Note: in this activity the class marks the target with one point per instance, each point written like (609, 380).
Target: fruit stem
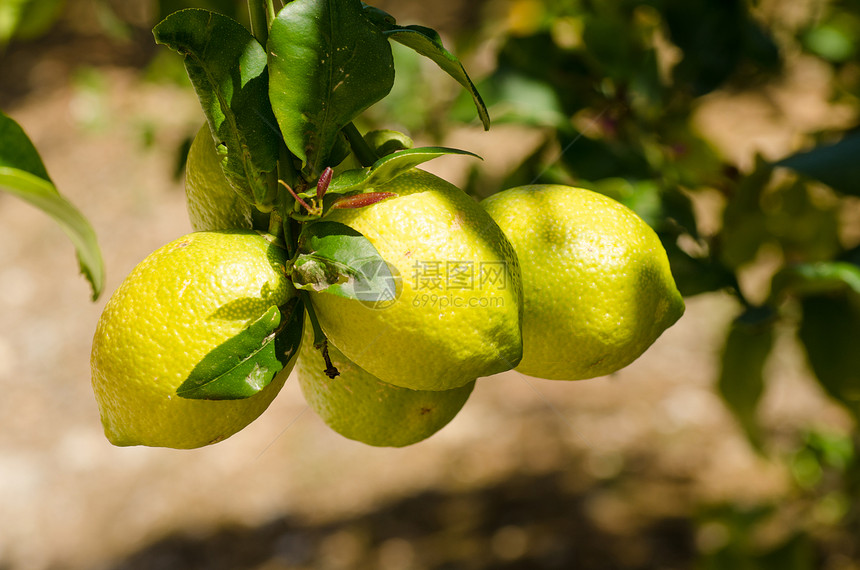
(363, 152)
(320, 340)
(286, 173)
(259, 13)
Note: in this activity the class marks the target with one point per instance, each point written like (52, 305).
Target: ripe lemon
(212, 203)
(361, 407)
(597, 286)
(177, 305)
(456, 315)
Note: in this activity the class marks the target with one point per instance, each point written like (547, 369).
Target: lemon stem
(320, 340)
(259, 14)
(363, 152)
(287, 175)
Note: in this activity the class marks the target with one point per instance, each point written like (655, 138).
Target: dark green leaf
(328, 63)
(695, 275)
(17, 150)
(744, 225)
(245, 364)
(593, 159)
(830, 333)
(236, 10)
(388, 168)
(378, 16)
(333, 258)
(23, 174)
(427, 42)
(716, 37)
(227, 67)
(837, 165)
(741, 380)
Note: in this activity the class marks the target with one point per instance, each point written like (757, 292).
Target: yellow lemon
(598, 290)
(456, 313)
(361, 407)
(178, 304)
(212, 203)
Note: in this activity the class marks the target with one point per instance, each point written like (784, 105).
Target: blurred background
(732, 443)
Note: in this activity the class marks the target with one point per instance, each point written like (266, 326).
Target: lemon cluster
(552, 281)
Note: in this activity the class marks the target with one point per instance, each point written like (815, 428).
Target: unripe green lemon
(212, 203)
(456, 316)
(178, 304)
(597, 287)
(361, 407)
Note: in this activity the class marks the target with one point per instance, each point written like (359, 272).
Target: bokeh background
(731, 443)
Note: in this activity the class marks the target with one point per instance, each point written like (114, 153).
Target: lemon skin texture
(211, 202)
(598, 290)
(456, 315)
(177, 305)
(359, 406)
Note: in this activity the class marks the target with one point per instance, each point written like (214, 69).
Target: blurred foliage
(24, 19)
(31, 19)
(814, 526)
(612, 87)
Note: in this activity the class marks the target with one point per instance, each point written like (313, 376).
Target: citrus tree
(314, 242)
(612, 89)
(392, 292)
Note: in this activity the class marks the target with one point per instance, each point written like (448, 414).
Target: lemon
(456, 315)
(212, 203)
(597, 288)
(361, 407)
(177, 305)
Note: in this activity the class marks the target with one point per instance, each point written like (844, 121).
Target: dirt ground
(608, 473)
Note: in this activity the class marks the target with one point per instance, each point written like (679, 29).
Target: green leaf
(385, 141)
(227, 68)
(704, 29)
(426, 41)
(817, 278)
(245, 364)
(593, 159)
(837, 165)
(327, 64)
(695, 275)
(741, 380)
(388, 168)
(830, 333)
(744, 222)
(23, 174)
(334, 258)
